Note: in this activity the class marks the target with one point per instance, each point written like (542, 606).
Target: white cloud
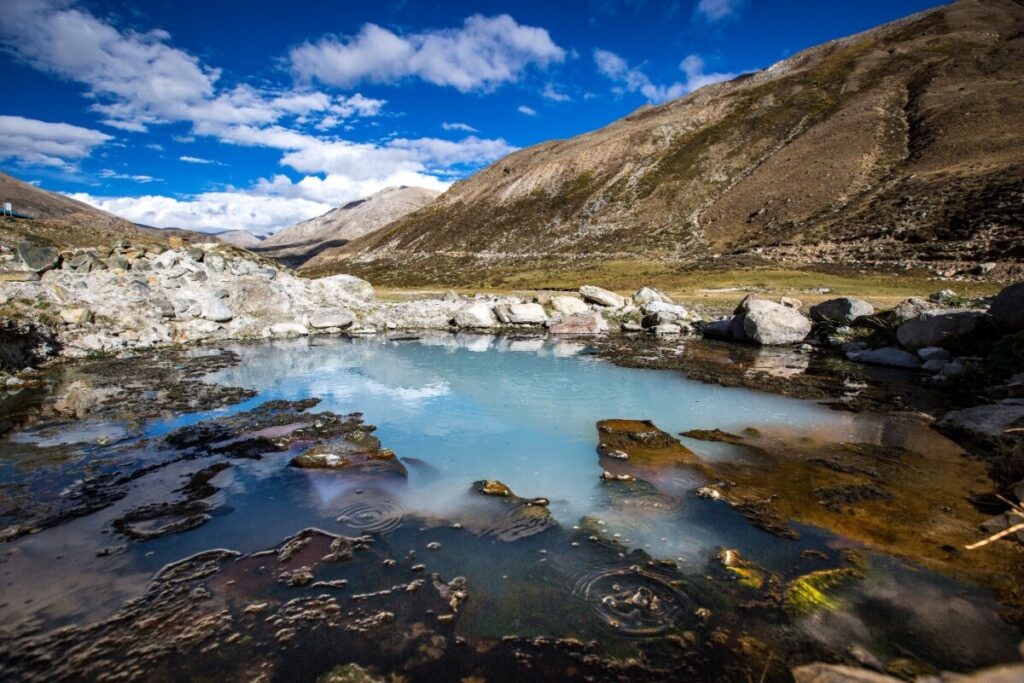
(480, 55)
(528, 111)
(550, 93)
(693, 67)
(210, 211)
(43, 143)
(455, 125)
(717, 10)
(155, 146)
(195, 160)
(109, 173)
(634, 80)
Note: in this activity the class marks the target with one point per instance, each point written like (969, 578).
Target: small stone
(76, 316)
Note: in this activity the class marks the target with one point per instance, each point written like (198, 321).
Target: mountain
(896, 147)
(239, 238)
(57, 219)
(312, 241)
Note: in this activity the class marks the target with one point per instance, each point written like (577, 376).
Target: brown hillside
(902, 145)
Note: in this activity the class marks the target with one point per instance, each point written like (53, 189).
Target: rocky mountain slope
(900, 146)
(59, 220)
(239, 238)
(311, 242)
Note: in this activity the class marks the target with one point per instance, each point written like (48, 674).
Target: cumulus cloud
(631, 79)
(43, 143)
(137, 79)
(528, 111)
(210, 211)
(717, 10)
(480, 55)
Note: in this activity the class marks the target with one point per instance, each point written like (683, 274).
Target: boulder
(475, 316)
(909, 309)
(938, 328)
(1008, 307)
(86, 262)
(648, 295)
(602, 297)
(521, 314)
(37, 257)
(717, 329)
(216, 311)
(340, 318)
(349, 285)
(768, 323)
(569, 305)
(987, 421)
(842, 310)
(76, 316)
(888, 356)
(667, 309)
(591, 323)
(929, 353)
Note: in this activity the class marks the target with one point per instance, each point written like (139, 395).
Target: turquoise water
(461, 408)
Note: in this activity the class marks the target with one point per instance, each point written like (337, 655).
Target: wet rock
(24, 344)
(836, 673)
(842, 310)
(718, 329)
(602, 297)
(492, 487)
(288, 330)
(838, 498)
(987, 421)
(159, 519)
(939, 328)
(375, 463)
(585, 324)
(888, 356)
(713, 435)
(813, 592)
(667, 330)
(38, 258)
(768, 323)
(475, 316)
(1008, 307)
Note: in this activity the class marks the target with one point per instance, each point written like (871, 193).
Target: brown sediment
(892, 499)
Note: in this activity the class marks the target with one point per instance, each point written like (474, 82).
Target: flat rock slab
(37, 257)
(988, 421)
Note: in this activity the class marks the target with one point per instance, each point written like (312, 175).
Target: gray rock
(667, 310)
(86, 262)
(842, 310)
(667, 330)
(288, 330)
(451, 297)
(591, 323)
(989, 421)
(475, 316)
(18, 276)
(909, 309)
(569, 305)
(1008, 307)
(37, 257)
(769, 323)
(217, 311)
(339, 317)
(522, 314)
(632, 326)
(647, 295)
(117, 263)
(196, 254)
(76, 316)
(718, 329)
(348, 285)
(933, 353)
(888, 356)
(938, 328)
(602, 297)
(934, 365)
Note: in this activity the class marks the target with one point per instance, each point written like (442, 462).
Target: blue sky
(258, 114)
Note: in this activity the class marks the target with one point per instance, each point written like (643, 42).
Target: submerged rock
(492, 487)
